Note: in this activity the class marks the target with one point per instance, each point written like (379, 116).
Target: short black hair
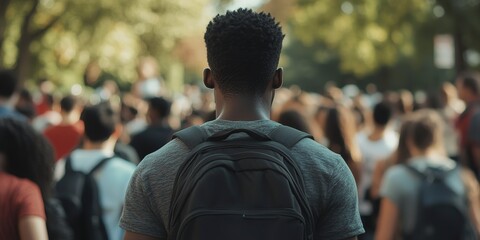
(8, 83)
(243, 50)
(160, 105)
(67, 104)
(100, 121)
(471, 80)
(382, 113)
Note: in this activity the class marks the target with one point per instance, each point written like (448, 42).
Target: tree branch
(28, 18)
(43, 30)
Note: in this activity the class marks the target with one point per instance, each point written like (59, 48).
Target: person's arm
(377, 176)
(32, 228)
(341, 217)
(473, 191)
(387, 221)
(137, 236)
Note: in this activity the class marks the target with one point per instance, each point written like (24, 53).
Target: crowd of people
(384, 139)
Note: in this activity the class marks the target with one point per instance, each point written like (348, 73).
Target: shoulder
(122, 165)
(168, 157)
(19, 185)
(316, 154)
(396, 172)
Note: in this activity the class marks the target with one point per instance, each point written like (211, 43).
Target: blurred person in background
(437, 102)
(8, 96)
(149, 83)
(421, 153)
(25, 104)
(158, 132)
(26, 175)
(67, 135)
(340, 130)
(102, 129)
(375, 145)
(468, 123)
(294, 119)
(48, 116)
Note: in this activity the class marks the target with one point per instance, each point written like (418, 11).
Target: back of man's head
(471, 81)
(160, 106)
(100, 122)
(68, 103)
(8, 83)
(382, 113)
(243, 50)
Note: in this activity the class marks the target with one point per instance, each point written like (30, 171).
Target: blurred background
(408, 44)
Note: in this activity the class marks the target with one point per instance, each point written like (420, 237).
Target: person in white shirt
(102, 129)
(375, 145)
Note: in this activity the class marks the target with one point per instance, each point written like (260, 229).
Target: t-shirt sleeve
(341, 219)
(474, 128)
(29, 200)
(391, 186)
(138, 216)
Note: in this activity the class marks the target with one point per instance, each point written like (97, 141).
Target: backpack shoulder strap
(100, 164)
(435, 175)
(191, 136)
(288, 136)
(68, 164)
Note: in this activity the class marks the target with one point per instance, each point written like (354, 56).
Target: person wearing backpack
(426, 195)
(92, 180)
(242, 176)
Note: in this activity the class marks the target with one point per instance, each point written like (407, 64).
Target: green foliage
(112, 32)
(366, 34)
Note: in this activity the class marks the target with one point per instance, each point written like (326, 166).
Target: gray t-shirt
(329, 185)
(400, 185)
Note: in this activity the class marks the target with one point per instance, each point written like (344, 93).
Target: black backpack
(239, 188)
(442, 214)
(79, 196)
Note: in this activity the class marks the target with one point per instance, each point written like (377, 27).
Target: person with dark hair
(421, 167)
(102, 129)
(26, 176)
(293, 118)
(8, 88)
(158, 132)
(25, 105)
(340, 130)
(67, 135)
(243, 51)
(375, 145)
(468, 123)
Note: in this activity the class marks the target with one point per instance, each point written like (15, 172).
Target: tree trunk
(24, 58)
(3, 26)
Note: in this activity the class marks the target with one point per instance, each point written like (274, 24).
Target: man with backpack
(93, 181)
(242, 176)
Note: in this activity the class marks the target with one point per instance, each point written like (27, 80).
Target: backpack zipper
(246, 214)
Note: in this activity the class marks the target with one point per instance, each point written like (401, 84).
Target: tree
(58, 38)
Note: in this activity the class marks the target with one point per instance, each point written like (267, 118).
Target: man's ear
(208, 78)
(277, 78)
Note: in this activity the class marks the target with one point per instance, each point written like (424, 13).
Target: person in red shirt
(21, 209)
(26, 175)
(67, 135)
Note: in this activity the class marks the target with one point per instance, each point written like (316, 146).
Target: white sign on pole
(444, 51)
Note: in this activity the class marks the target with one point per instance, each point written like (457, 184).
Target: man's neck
(69, 118)
(108, 145)
(377, 133)
(244, 109)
